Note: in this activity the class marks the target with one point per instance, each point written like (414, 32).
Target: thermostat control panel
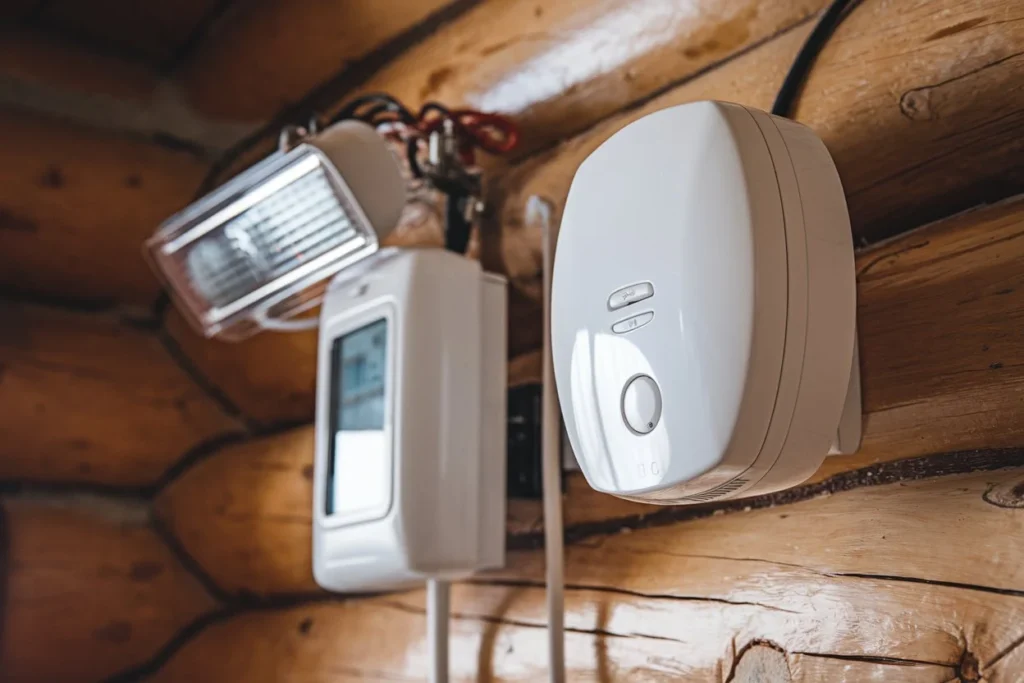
(410, 465)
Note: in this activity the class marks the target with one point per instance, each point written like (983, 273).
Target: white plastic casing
(441, 510)
(263, 245)
(735, 224)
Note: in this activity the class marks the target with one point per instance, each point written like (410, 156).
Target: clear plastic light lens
(254, 245)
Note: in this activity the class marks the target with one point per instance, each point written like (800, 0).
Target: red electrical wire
(492, 133)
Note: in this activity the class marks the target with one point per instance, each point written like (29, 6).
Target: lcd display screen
(359, 459)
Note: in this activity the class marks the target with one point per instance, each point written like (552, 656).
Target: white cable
(551, 472)
(438, 607)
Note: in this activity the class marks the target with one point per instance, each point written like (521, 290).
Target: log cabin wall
(155, 486)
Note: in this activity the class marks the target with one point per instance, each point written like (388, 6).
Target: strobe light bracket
(441, 152)
(260, 249)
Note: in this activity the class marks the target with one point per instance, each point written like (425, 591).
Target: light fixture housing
(261, 248)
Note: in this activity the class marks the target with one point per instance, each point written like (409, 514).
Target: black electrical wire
(457, 228)
(434, 106)
(371, 114)
(412, 149)
(794, 81)
(389, 103)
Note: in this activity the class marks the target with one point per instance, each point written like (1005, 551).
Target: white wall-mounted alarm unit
(410, 422)
(703, 307)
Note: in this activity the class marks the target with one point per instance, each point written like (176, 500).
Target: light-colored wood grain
(76, 206)
(246, 514)
(901, 166)
(268, 55)
(929, 387)
(144, 31)
(559, 67)
(824, 668)
(91, 590)
(940, 359)
(270, 377)
(900, 582)
(85, 397)
(890, 532)
(1009, 666)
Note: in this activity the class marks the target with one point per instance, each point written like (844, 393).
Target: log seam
(186, 559)
(569, 586)
(205, 385)
(240, 607)
(170, 648)
(144, 492)
(199, 32)
(515, 583)
(502, 621)
(211, 447)
(184, 636)
(877, 659)
(909, 469)
(97, 306)
(193, 456)
(1010, 592)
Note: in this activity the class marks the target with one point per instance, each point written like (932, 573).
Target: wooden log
(940, 359)
(45, 73)
(245, 515)
(916, 102)
(305, 642)
(77, 204)
(31, 56)
(878, 139)
(933, 321)
(91, 590)
(248, 68)
(559, 67)
(86, 397)
(870, 584)
(270, 377)
(151, 32)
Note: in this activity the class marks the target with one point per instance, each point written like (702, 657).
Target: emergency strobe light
(250, 254)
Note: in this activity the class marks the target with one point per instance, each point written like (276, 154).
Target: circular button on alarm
(641, 404)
